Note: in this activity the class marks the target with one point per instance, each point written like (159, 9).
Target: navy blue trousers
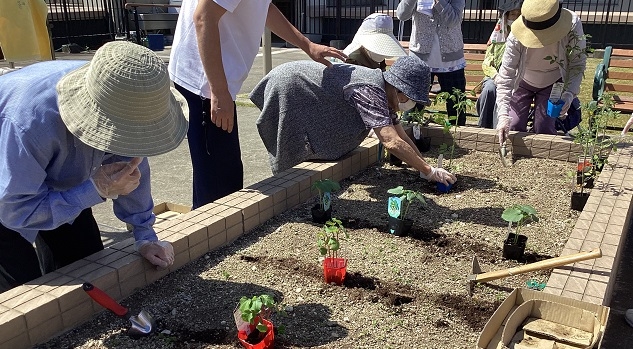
(448, 81)
(215, 153)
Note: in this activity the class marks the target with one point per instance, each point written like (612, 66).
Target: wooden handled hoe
(477, 276)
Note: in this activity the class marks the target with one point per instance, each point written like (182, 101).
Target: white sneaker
(628, 316)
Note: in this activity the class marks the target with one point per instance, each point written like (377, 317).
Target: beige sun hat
(376, 35)
(542, 23)
(121, 102)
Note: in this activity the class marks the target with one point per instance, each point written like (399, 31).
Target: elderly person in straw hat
(74, 134)
(527, 74)
(310, 112)
(374, 42)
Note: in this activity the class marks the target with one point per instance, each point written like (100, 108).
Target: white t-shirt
(241, 29)
(539, 72)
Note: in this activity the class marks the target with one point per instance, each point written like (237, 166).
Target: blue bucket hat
(411, 76)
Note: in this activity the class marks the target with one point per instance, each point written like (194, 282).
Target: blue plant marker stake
(327, 200)
(535, 285)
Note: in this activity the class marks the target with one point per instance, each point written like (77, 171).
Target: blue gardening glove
(439, 175)
(159, 253)
(568, 97)
(503, 128)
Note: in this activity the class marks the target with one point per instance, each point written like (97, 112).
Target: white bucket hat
(121, 102)
(376, 35)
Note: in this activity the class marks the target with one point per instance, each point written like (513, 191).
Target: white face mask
(408, 105)
(375, 56)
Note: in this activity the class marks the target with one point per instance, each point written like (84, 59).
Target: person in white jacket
(534, 61)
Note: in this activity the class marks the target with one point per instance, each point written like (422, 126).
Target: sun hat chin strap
(544, 24)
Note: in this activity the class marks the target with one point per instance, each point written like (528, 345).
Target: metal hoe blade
(503, 152)
(142, 324)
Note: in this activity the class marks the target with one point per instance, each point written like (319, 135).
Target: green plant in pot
(329, 243)
(514, 245)
(398, 207)
(255, 329)
(322, 211)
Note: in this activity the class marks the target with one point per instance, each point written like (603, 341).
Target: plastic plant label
(393, 206)
(239, 323)
(557, 91)
(327, 200)
(416, 131)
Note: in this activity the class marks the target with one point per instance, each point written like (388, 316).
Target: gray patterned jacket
(304, 112)
(446, 21)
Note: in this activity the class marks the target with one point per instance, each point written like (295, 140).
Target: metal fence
(93, 22)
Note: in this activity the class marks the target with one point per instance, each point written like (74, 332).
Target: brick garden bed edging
(37, 311)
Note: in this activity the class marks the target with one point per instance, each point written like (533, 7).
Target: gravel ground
(400, 292)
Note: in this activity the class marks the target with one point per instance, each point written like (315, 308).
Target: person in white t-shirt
(214, 47)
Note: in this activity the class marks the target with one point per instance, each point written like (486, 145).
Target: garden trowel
(477, 276)
(505, 155)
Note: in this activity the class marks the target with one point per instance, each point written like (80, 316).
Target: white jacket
(513, 66)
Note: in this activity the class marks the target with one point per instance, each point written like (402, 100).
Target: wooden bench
(622, 87)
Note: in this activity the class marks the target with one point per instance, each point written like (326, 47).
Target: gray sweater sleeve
(451, 12)
(405, 9)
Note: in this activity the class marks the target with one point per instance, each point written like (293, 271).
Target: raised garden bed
(399, 291)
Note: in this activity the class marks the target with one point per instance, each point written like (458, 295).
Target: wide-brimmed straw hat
(376, 35)
(121, 102)
(411, 76)
(542, 23)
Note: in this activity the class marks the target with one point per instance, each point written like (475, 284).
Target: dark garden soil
(399, 292)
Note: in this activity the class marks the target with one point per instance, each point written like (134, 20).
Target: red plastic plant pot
(334, 270)
(267, 342)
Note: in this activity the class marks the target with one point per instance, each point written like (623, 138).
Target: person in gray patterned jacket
(310, 112)
(437, 39)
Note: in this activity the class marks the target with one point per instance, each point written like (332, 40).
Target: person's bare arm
(395, 139)
(206, 18)
(279, 24)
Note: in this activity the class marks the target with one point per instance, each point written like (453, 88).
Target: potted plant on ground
(514, 245)
(398, 208)
(328, 240)
(322, 211)
(585, 171)
(462, 106)
(252, 318)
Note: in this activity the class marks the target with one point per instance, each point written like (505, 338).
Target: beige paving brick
(305, 195)
(521, 139)
(609, 250)
(292, 187)
(574, 244)
(103, 277)
(20, 341)
(607, 202)
(178, 241)
(231, 215)
(578, 233)
(131, 284)
(582, 223)
(97, 256)
(279, 195)
(293, 201)
(563, 270)
(198, 250)
(251, 223)
(594, 236)
(182, 226)
(195, 216)
(234, 232)
(166, 224)
(466, 135)
(601, 218)
(557, 280)
(279, 208)
(589, 246)
(12, 323)
(468, 144)
(605, 262)
(553, 290)
(88, 268)
(611, 239)
(598, 226)
(347, 167)
(77, 315)
(128, 266)
(44, 331)
(73, 266)
(557, 154)
(18, 295)
(39, 309)
(593, 300)
(69, 295)
(266, 214)
(570, 294)
(153, 273)
(180, 260)
(217, 240)
(196, 233)
(605, 210)
(521, 151)
(540, 152)
(600, 276)
(595, 289)
(48, 282)
(617, 220)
